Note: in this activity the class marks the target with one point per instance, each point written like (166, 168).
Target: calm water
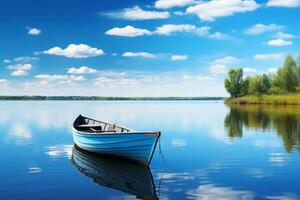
(207, 151)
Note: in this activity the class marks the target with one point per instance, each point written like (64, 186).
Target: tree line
(102, 98)
(285, 80)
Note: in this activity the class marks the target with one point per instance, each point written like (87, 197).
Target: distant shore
(280, 99)
(102, 98)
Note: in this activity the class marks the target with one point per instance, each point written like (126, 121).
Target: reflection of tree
(285, 120)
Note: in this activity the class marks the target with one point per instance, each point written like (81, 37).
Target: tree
(287, 77)
(298, 67)
(235, 84)
(258, 84)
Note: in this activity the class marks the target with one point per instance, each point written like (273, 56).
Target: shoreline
(280, 99)
(104, 98)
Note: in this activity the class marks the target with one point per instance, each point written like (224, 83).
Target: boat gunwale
(105, 122)
(150, 133)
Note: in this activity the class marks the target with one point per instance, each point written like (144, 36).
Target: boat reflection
(116, 173)
(284, 120)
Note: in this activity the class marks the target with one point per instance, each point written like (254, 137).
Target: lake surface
(207, 151)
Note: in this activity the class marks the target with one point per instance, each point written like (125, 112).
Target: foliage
(235, 83)
(285, 81)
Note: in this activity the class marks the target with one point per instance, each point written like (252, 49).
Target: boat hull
(138, 146)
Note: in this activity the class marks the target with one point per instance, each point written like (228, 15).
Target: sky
(141, 48)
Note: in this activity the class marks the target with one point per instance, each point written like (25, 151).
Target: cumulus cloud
(218, 35)
(127, 31)
(285, 3)
(75, 51)
(220, 66)
(25, 59)
(138, 54)
(136, 13)
(164, 4)
(19, 72)
(121, 82)
(197, 78)
(6, 61)
(20, 66)
(211, 10)
(262, 28)
(20, 69)
(56, 77)
(3, 81)
(281, 35)
(166, 30)
(179, 57)
(272, 70)
(270, 56)
(279, 43)
(227, 60)
(218, 69)
(34, 31)
(82, 70)
(249, 70)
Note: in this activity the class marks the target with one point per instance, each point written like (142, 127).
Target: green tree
(235, 84)
(258, 84)
(287, 78)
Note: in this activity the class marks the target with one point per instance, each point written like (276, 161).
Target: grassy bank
(282, 99)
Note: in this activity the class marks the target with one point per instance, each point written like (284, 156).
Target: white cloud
(3, 81)
(138, 54)
(127, 31)
(218, 35)
(227, 60)
(279, 43)
(281, 35)
(210, 10)
(25, 59)
(249, 70)
(105, 82)
(6, 61)
(168, 29)
(34, 31)
(20, 69)
(197, 78)
(179, 57)
(19, 72)
(218, 69)
(284, 3)
(270, 56)
(56, 77)
(82, 70)
(20, 66)
(136, 13)
(75, 51)
(220, 66)
(272, 70)
(262, 28)
(164, 4)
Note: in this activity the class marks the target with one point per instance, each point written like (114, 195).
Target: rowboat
(116, 173)
(107, 138)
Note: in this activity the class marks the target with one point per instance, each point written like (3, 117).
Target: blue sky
(140, 48)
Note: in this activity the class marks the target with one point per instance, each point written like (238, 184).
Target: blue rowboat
(116, 173)
(106, 138)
